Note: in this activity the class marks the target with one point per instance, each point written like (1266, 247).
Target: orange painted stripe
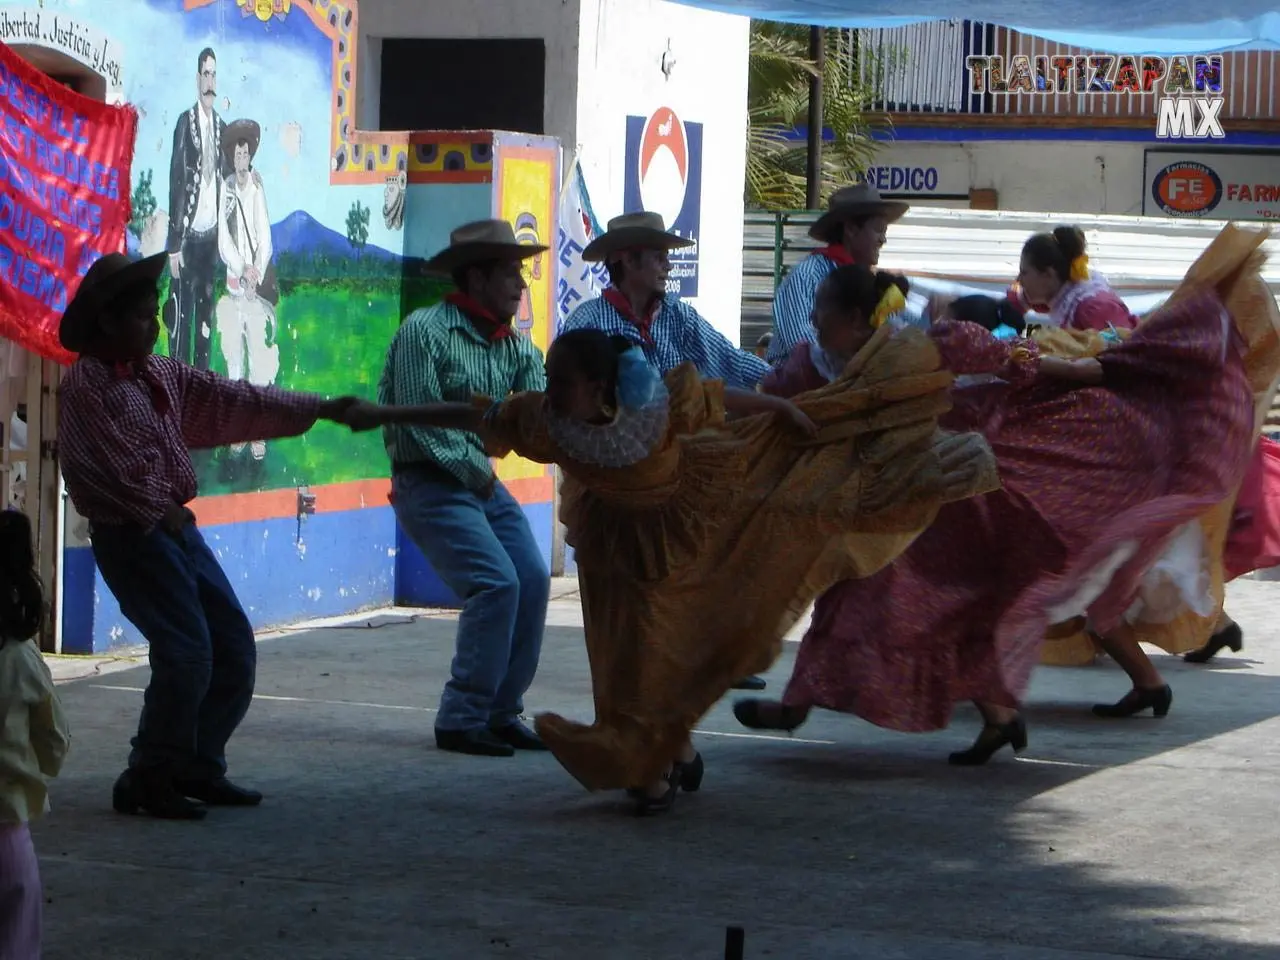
(331, 498)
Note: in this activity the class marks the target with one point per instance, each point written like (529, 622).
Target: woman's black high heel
(750, 715)
(1135, 701)
(691, 774)
(646, 804)
(1231, 637)
(993, 737)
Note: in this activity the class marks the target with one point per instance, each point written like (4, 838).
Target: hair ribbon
(892, 302)
(638, 382)
(1079, 268)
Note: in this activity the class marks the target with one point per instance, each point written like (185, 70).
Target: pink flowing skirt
(1087, 472)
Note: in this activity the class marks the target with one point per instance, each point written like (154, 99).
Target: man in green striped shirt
(448, 499)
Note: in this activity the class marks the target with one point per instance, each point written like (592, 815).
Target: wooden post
(818, 54)
(734, 941)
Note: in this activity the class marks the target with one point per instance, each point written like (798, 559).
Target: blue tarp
(1139, 27)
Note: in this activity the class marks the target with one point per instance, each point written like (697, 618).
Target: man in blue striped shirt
(635, 248)
(854, 228)
(447, 498)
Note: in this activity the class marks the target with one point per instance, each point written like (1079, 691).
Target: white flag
(579, 280)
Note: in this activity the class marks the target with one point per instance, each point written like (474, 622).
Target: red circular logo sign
(1186, 189)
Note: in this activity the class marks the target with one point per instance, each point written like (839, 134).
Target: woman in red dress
(1099, 471)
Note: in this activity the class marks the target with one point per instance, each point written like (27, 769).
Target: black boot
(1158, 700)
(993, 737)
(151, 790)
(1231, 636)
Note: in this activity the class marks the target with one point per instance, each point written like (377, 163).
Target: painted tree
(358, 227)
(778, 103)
(143, 202)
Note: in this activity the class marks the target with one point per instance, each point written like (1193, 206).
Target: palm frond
(778, 102)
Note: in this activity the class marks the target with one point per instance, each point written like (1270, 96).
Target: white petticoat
(1177, 581)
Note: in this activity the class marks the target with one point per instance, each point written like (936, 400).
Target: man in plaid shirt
(126, 420)
(467, 524)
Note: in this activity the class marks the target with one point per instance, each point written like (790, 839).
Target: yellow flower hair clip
(1080, 268)
(892, 302)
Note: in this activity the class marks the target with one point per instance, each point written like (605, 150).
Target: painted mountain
(303, 236)
(306, 251)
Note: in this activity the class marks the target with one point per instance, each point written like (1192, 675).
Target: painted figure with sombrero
(246, 314)
(447, 497)
(635, 249)
(126, 422)
(853, 229)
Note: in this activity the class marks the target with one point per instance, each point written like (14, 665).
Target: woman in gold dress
(701, 538)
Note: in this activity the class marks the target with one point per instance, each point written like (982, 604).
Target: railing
(772, 243)
(922, 69)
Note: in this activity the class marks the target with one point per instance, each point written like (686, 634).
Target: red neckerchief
(614, 297)
(141, 370)
(486, 324)
(837, 254)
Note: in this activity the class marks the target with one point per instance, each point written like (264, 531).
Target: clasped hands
(359, 415)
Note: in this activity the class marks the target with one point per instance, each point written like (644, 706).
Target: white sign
(1235, 185)
(1187, 118)
(86, 44)
(920, 172)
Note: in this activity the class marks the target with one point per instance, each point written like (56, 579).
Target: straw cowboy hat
(105, 280)
(479, 242)
(236, 131)
(859, 200)
(633, 231)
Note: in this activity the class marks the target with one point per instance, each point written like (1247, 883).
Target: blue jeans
(202, 653)
(485, 553)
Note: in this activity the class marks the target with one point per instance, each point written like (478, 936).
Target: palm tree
(778, 101)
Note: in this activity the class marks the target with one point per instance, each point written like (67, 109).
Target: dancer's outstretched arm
(746, 403)
(443, 416)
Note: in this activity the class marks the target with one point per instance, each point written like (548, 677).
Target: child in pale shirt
(33, 739)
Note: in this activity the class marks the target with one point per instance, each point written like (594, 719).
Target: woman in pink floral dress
(1099, 471)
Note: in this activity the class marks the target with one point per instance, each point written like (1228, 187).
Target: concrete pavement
(1141, 838)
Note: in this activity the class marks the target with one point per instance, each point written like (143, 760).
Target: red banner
(64, 197)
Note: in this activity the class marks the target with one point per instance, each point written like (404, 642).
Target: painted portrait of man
(196, 169)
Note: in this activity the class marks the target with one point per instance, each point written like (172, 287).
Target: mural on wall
(663, 173)
(261, 193)
(527, 172)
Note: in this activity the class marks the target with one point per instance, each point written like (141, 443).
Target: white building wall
(621, 48)
(1061, 176)
(605, 62)
(554, 21)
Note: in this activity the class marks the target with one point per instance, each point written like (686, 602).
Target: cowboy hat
(106, 279)
(478, 242)
(237, 130)
(631, 231)
(859, 200)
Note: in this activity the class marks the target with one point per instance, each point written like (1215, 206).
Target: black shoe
(477, 743)
(519, 737)
(646, 804)
(751, 683)
(219, 792)
(992, 738)
(1232, 637)
(1135, 701)
(691, 774)
(750, 715)
(153, 792)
